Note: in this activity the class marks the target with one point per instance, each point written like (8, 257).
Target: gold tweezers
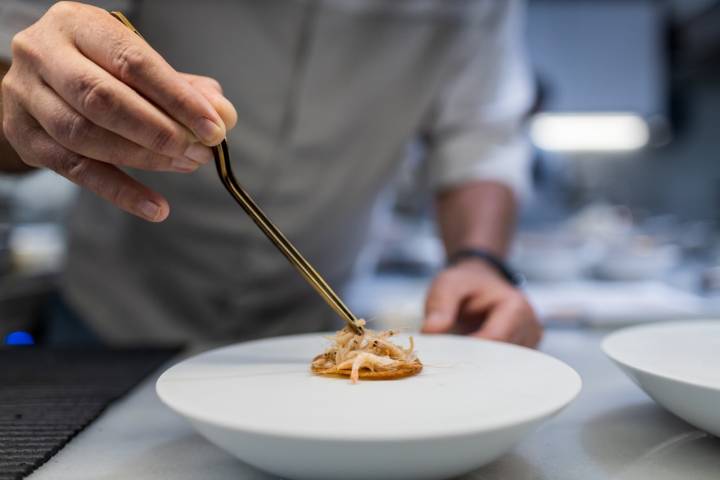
(222, 162)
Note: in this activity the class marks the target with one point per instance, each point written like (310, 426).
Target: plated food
(371, 355)
(472, 402)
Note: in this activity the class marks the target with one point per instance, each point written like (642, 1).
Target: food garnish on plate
(369, 356)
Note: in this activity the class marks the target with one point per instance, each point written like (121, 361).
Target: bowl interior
(683, 351)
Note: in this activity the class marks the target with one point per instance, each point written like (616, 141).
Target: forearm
(10, 161)
(477, 215)
(471, 296)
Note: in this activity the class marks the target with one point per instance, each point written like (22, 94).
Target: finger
(208, 83)
(37, 148)
(442, 303)
(533, 334)
(532, 330)
(110, 104)
(505, 322)
(78, 134)
(212, 91)
(129, 58)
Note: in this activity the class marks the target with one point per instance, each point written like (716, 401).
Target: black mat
(48, 396)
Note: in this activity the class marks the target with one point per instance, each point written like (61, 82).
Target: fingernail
(149, 209)
(208, 131)
(199, 152)
(184, 164)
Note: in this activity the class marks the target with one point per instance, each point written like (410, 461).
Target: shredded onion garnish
(370, 355)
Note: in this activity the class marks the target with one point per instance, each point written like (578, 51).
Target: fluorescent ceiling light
(589, 132)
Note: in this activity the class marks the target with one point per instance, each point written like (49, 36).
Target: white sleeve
(475, 129)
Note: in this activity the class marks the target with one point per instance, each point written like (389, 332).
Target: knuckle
(70, 129)
(70, 165)
(213, 83)
(94, 95)
(75, 168)
(23, 47)
(166, 141)
(10, 129)
(13, 91)
(18, 43)
(128, 60)
(7, 86)
(62, 8)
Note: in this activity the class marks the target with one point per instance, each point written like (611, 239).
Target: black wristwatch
(491, 259)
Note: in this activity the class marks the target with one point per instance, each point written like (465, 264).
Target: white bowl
(473, 401)
(677, 364)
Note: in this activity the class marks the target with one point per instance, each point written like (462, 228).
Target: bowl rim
(694, 382)
(344, 437)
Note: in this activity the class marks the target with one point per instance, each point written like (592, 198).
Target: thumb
(442, 304)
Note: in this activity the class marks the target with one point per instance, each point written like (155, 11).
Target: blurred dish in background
(603, 241)
(601, 304)
(553, 257)
(676, 364)
(601, 222)
(638, 258)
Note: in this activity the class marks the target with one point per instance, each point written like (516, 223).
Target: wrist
(487, 261)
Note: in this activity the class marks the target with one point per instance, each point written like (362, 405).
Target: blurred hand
(471, 298)
(85, 96)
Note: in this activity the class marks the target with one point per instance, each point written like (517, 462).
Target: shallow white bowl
(677, 364)
(473, 401)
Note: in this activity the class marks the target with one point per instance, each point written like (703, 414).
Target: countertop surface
(611, 431)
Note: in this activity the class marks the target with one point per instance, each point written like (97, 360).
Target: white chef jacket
(328, 94)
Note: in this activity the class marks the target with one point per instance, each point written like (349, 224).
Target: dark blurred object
(5, 262)
(710, 280)
(22, 300)
(49, 396)
(697, 43)
(31, 257)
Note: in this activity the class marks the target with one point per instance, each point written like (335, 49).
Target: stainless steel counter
(611, 431)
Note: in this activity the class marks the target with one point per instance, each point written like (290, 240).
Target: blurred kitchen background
(623, 225)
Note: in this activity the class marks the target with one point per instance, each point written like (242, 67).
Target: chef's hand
(471, 298)
(85, 97)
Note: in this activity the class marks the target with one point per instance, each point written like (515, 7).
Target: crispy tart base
(404, 370)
